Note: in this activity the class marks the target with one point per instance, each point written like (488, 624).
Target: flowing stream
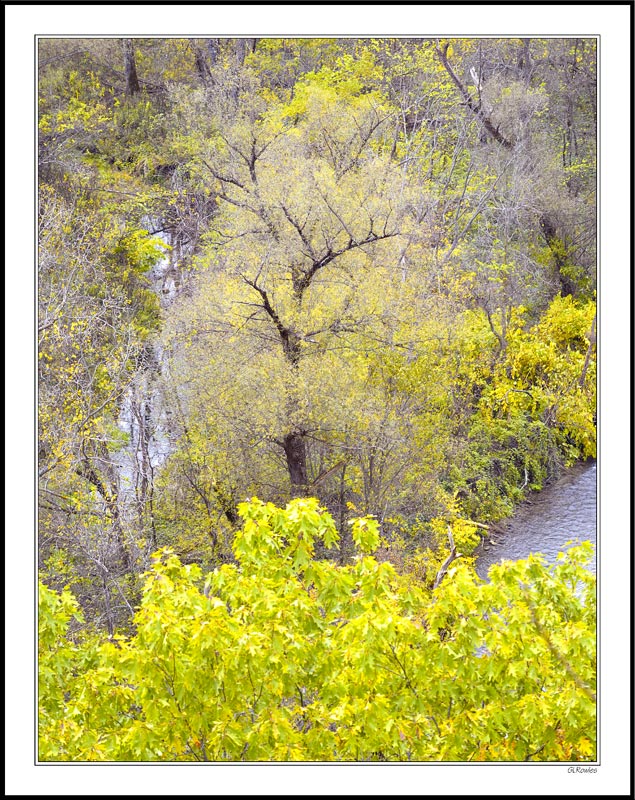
(547, 521)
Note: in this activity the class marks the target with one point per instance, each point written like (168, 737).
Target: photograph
(317, 399)
(319, 409)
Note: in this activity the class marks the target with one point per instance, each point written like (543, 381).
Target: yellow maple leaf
(585, 747)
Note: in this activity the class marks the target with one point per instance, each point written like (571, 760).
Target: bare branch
(302, 282)
(222, 178)
(452, 557)
(300, 231)
(474, 107)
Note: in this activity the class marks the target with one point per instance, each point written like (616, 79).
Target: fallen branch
(476, 524)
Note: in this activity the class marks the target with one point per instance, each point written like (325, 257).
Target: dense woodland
(314, 316)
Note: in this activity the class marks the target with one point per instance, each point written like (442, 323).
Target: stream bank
(565, 510)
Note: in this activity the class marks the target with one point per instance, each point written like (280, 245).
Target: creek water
(563, 511)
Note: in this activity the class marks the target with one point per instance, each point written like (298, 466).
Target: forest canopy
(299, 293)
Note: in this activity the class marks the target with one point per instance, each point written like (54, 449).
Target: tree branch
(475, 108)
(300, 231)
(302, 282)
(222, 178)
(452, 557)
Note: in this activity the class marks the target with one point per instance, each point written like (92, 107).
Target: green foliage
(532, 410)
(132, 257)
(365, 534)
(282, 657)
(378, 291)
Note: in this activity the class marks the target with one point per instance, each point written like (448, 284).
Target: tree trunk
(109, 618)
(111, 499)
(213, 48)
(295, 451)
(470, 102)
(130, 67)
(524, 61)
(241, 51)
(202, 66)
(559, 253)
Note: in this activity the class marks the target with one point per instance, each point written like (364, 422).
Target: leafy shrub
(284, 657)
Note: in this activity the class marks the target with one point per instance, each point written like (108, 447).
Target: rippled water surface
(565, 510)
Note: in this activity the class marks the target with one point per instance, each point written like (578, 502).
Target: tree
(281, 249)
(549, 183)
(96, 311)
(306, 267)
(284, 657)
